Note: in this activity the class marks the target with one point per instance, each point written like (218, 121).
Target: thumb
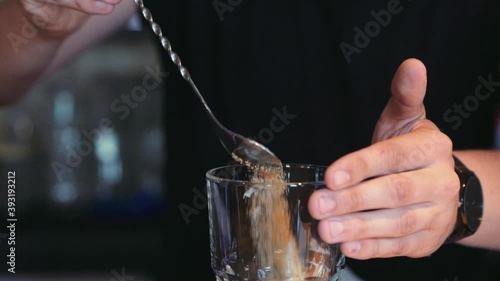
(406, 104)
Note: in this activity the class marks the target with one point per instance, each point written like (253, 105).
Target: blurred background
(86, 145)
(87, 148)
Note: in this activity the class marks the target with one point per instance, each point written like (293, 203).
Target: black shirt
(324, 69)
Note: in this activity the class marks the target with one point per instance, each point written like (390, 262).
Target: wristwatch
(470, 210)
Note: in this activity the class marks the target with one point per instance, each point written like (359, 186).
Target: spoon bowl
(255, 155)
(244, 150)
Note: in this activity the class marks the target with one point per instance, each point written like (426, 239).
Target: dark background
(108, 215)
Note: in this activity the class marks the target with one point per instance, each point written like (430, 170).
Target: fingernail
(353, 247)
(341, 177)
(102, 6)
(336, 228)
(326, 204)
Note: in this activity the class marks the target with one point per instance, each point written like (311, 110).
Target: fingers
(90, 7)
(406, 103)
(425, 145)
(397, 197)
(408, 246)
(385, 223)
(388, 232)
(391, 191)
(95, 7)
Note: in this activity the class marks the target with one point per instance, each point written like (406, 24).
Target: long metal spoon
(242, 149)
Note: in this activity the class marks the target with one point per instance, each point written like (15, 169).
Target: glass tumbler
(265, 232)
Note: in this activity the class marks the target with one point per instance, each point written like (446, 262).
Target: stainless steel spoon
(242, 149)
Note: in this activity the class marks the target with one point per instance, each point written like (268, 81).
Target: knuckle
(356, 228)
(399, 246)
(407, 222)
(399, 188)
(395, 156)
(354, 163)
(354, 199)
(374, 251)
(451, 184)
(361, 163)
(445, 143)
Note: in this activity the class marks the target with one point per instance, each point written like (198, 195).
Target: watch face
(473, 203)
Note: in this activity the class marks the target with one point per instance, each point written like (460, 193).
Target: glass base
(223, 276)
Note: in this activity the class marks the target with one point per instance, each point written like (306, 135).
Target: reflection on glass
(253, 238)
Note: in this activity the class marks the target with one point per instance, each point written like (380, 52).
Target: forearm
(486, 165)
(24, 53)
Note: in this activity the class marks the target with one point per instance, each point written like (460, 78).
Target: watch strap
(461, 229)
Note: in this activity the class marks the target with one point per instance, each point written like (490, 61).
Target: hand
(60, 18)
(399, 196)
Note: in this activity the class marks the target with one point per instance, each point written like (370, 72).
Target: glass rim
(210, 173)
